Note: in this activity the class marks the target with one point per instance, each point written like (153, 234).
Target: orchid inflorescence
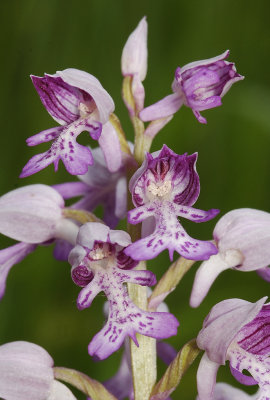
(163, 186)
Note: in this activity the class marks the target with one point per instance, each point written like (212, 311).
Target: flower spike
(97, 265)
(78, 102)
(199, 85)
(165, 187)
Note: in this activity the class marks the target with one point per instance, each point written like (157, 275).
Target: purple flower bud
(199, 85)
(99, 251)
(238, 331)
(165, 187)
(78, 102)
(26, 372)
(242, 238)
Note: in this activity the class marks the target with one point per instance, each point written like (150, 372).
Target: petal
(89, 292)
(71, 189)
(139, 214)
(59, 98)
(155, 126)
(163, 108)
(209, 271)
(110, 146)
(120, 385)
(89, 84)
(91, 232)
(205, 62)
(257, 366)
(76, 255)
(121, 197)
(62, 249)
(37, 163)
(247, 230)
(199, 117)
(9, 257)
(44, 136)
(223, 391)
(143, 278)
(25, 371)
(134, 56)
(36, 209)
(206, 378)
(223, 324)
(196, 215)
(264, 273)
(244, 379)
(59, 391)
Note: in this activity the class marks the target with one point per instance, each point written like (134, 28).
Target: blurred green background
(233, 164)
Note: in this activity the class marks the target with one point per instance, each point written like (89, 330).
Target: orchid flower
(242, 238)
(99, 186)
(134, 64)
(32, 215)
(165, 187)
(26, 372)
(78, 102)
(99, 264)
(238, 331)
(199, 85)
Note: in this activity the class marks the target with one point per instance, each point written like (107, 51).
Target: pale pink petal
(110, 146)
(163, 108)
(59, 391)
(209, 271)
(206, 378)
(25, 371)
(31, 213)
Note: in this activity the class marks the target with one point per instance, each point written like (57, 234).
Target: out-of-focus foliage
(233, 164)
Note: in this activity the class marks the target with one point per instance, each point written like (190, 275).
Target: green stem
(143, 358)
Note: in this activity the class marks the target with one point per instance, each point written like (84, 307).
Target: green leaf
(175, 371)
(89, 386)
(169, 281)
